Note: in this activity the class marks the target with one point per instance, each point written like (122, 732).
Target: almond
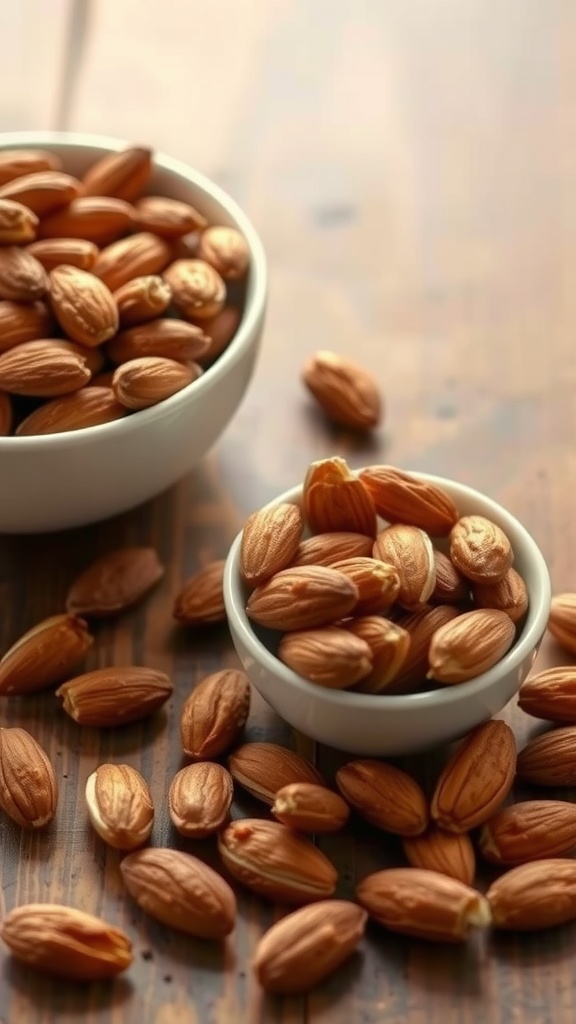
(534, 896)
(508, 595)
(114, 696)
(423, 904)
(477, 778)
(42, 191)
(198, 291)
(42, 370)
(529, 830)
(480, 549)
(448, 853)
(450, 586)
(550, 759)
(20, 323)
(123, 174)
(403, 498)
(142, 253)
(302, 598)
(421, 627)
(330, 657)
(275, 862)
(17, 223)
(214, 714)
(168, 338)
(66, 942)
(143, 382)
(270, 541)
(28, 792)
(333, 499)
(120, 806)
(180, 891)
(141, 300)
(199, 799)
(562, 621)
(46, 654)
(75, 252)
(469, 645)
(226, 250)
(550, 694)
(93, 357)
(410, 551)
(221, 330)
(98, 219)
(114, 582)
(16, 162)
(307, 807)
(389, 645)
(385, 796)
(88, 407)
(346, 392)
(83, 305)
(378, 583)
(6, 414)
(264, 768)
(201, 599)
(22, 278)
(328, 548)
(168, 218)
(306, 946)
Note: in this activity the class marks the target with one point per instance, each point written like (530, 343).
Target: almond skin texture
(199, 799)
(42, 191)
(423, 904)
(410, 551)
(562, 621)
(330, 657)
(470, 645)
(16, 162)
(123, 175)
(168, 338)
(22, 278)
(42, 370)
(214, 714)
(114, 582)
(302, 598)
(87, 407)
(402, 498)
(307, 946)
(346, 392)
(508, 595)
(385, 796)
(550, 759)
(550, 695)
(120, 806)
(66, 942)
(180, 891)
(480, 549)
(276, 863)
(445, 852)
(17, 223)
(114, 696)
(327, 548)
(75, 252)
(270, 541)
(98, 219)
(529, 830)
(143, 382)
(534, 896)
(28, 791)
(226, 250)
(264, 768)
(450, 586)
(20, 323)
(333, 499)
(198, 291)
(141, 300)
(389, 645)
(378, 583)
(477, 778)
(83, 306)
(44, 655)
(168, 218)
(306, 807)
(421, 627)
(201, 599)
(142, 253)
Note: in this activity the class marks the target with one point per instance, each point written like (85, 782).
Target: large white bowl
(63, 480)
(375, 725)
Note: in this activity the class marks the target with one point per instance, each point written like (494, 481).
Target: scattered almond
(449, 853)
(550, 759)
(214, 714)
(346, 392)
(114, 696)
(44, 655)
(264, 768)
(562, 620)
(534, 896)
(308, 807)
(199, 799)
(550, 694)
(114, 582)
(476, 779)
(28, 791)
(385, 796)
(529, 830)
(120, 806)
(201, 599)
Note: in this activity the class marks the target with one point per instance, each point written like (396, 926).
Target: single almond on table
(378, 583)
(421, 627)
(66, 942)
(120, 806)
(214, 714)
(198, 291)
(306, 946)
(16, 162)
(44, 655)
(480, 549)
(180, 891)
(166, 217)
(75, 252)
(42, 370)
(450, 586)
(28, 791)
(83, 305)
(42, 191)
(469, 645)
(142, 253)
(20, 323)
(221, 330)
(270, 540)
(449, 853)
(346, 392)
(115, 581)
(403, 498)
(264, 768)
(141, 383)
(385, 796)
(308, 807)
(508, 595)
(562, 620)
(275, 862)
(327, 548)
(389, 645)
(409, 549)
(17, 223)
(123, 174)
(114, 696)
(165, 337)
(142, 299)
(302, 598)
(550, 694)
(333, 499)
(423, 904)
(226, 250)
(200, 602)
(22, 278)
(199, 799)
(529, 830)
(88, 407)
(330, 656)
(476, 779)
(550, 759)
(98, 219)
(6, 414)
(534, 896)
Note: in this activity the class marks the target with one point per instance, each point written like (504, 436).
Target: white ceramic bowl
(393, 725)
(63, 480)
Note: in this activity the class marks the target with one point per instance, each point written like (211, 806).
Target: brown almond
(201, 600)
(75, 252)
(270, 540)
(17, 223)
(421, 627)
(168, 338)
(330, 656)
(28, 791)
(449, 853)
(198, 291)
(409, 549)
(534, 896)
(307, 807)
(226, 250)
(142, 299)
(93, 357)
(214, 714)
(403, 498)
(221, 330)
(115, 581)
(264, 768)
(480, 550)
(385, 796)
(108, 697)
(42, 371)
(327, 548)
(141, 383)
(508, 595)
(16, 162)
(562, 620)
(302, 598)
(477, 778)
(389, 645)
(142, 253)
(199, 799)
(550, 694)
(44, 655)
(22, 278)
(88, 407)
(167, 217)
(97, 219)
(333, 498)
(120, 806)
(469, 645)
(529, 830)
(550, 759)
(450, 586)
(346, 392)
(6, 414)
(42, 191)
(123, 174)
(378, 583)
(83, 305)
(20, 323)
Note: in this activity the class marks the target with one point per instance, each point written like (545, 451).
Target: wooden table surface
(411, 167)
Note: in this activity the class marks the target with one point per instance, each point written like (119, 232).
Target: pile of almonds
(111, 299)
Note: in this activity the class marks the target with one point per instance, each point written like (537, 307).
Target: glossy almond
(450, 586)
(534, 896)
(142, 253)
(17, 223)
(28, 791)
(400, 497)
(21, 322)
(168, 338)
(114, 696)
(140, 300)
(378, 583)
(270, 541)
(98, 219)
(201, 600)
(448, 853)
(562, 620)
(410, 551)
(199, 799)
(302, 598)
(346, 392)
(385, 796)
(22, 278)
(477, 778)
(166, 217)
(327, 548)
(214, 714)
(275, 862)
(550, 694)
(480, 549)
(508, 595)
(221, 329)
(44, 655)
(42, 191)
(75, 252)
(115, 581)
(16, 162)
(550, 759)
(389, 645)
(264, 768)
(83, 306)
(421, 627)
(307, 807)
(42, 371)
(123, 174)
(330, 656)
(528, 831)
(333, 498)
(180, 891)
(469, 645)
(198, 291)
(143, 382)
(88, 407)
(120, 806)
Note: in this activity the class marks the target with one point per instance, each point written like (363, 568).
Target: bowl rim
(248, 327)
(537, 618)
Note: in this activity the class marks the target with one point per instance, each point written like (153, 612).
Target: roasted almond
(120, 806)
(42, 191)
(534, 896)
(83, 305)
(470, 645)
(330, 656)
(480, 549)
(214, 714)
(449, 853)
(28, 791)
(22, 278)
(409, 549)
(88, 407)
(20, 323)
(403, 498)
(123, 174)
(308, 807)
(180, 891)
(302, 598)
(221, 330)
(114, 696)
(42, 370)
(115, 581)
(198, 291)
(389, 645)
(17, 223)
(328, 548)
(529, 830)
(477, 778)
(98, 219)
(562, 620)
(226, 250)
(166, 217)
(270, 541)
(201, 600)
(385, 796)
(143, 382)
(508, 595)
(378, 583)
(142, 253)
(141, 300)
(550, 759)
(550, 694)
(6, 414)
(168, 338)
(16, 162)
(421, 627)
(44, 655)
(346, 392)
(333, 499)
(75, 252)
(275, 862)
(264, 768)
(450, 586)
(199, 799)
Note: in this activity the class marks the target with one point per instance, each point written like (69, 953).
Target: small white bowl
(373, 725)
(61, 480)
